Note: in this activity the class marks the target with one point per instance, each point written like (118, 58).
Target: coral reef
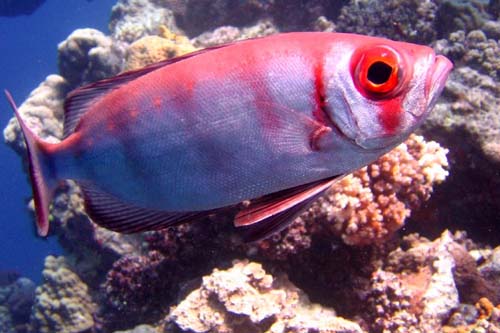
(246, 298)
(372, 203)
(227, 34)
(344, 253)
(42, 111)
(140, 329)
(195, 17)
(62, 302)
(88, 55)
(151, 49)
(418, 297)
(16, 300)
(409, 20)
(466, 120)
(133, 19)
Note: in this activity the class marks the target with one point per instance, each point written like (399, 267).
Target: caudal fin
(43, 184)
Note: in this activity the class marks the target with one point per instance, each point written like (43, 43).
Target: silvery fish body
(282, 115)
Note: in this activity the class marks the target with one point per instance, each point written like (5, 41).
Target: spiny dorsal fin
(79, 100)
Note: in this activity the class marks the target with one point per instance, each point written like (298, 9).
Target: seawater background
(28, 54)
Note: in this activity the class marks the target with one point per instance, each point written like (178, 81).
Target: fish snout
(437, 77)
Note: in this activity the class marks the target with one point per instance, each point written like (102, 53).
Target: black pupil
(379, 72)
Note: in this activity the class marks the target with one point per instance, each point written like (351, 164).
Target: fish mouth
(437, 78)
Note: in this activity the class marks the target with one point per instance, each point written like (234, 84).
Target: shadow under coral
(469, 199)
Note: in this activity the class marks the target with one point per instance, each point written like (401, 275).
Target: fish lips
(436, 79)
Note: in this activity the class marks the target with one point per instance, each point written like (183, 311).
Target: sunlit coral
(151, 49)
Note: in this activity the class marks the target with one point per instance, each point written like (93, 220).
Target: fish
(262, 126)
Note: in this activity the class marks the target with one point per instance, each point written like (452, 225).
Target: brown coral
(62, 302)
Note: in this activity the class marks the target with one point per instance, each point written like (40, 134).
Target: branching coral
(372, 203)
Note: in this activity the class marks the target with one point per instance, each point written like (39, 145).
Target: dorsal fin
(79, 100)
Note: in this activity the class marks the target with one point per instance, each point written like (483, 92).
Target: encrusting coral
(62, 303)
(151, 49)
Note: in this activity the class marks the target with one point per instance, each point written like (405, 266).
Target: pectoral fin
(272, 213)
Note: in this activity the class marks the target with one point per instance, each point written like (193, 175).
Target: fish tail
(43, 181)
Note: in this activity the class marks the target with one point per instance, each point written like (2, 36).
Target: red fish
(274, 120)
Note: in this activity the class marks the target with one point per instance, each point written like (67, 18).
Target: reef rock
(151, 49)
(62, 303)
(42, 111)
(6, 324)
(227, 34)
(416, 291)
(472, 93)
(246, 298)
(87, 55)
(133, 19)
(140, 329)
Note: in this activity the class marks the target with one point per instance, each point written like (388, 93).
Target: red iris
(377, 71)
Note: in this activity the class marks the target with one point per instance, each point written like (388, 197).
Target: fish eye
(377, 72)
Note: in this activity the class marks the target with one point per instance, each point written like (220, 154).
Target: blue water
(28, 53)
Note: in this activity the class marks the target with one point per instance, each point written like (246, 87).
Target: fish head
(378, 91)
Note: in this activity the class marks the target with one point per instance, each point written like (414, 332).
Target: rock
(42, 112)
(140, 329)
(87, 55)
(246, 298)
(62, 302)
(151, 49)
(133, 19)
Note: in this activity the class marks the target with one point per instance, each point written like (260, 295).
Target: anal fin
(113, 214)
